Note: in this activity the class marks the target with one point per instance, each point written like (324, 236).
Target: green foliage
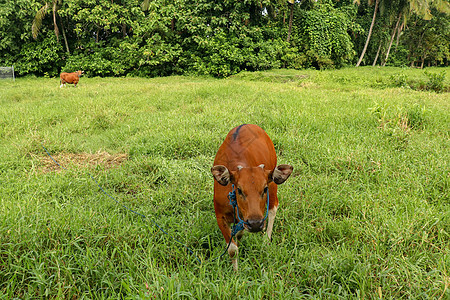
(41, 56)
(229, 37)
(223, 55)
(159, 38)
(15, 28)
(425, 42)
(399, 80)
(158, 58)
(322, 36)
(436, 81)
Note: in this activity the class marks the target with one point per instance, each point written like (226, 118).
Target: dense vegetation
(219, 38)
(365, 215)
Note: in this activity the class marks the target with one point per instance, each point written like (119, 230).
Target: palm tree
(377, 2)
(291, 16)
(404, 8)
(37, 21)
(392, 39)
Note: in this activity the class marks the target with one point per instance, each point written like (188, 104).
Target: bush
(399, 80)
(322, 36)
(40, 57)
(435, 81)
(226, 54)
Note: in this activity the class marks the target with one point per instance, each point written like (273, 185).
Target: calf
(70, 78)
(246, 162)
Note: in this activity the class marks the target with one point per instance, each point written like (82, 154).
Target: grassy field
(366, 213)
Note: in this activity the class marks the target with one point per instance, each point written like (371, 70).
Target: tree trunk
(370, 33)
(398, 35)
(376, 57)
(392, 39)
(54, 22)
(291, 16)
(65, 38)
(124, 30)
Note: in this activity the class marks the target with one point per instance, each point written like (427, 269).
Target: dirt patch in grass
(70, 160)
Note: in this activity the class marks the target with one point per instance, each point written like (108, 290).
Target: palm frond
(442, 6)
(37, 22)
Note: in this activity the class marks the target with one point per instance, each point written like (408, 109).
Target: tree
(370, 31)
(291, 16)
(404, 9)
(398, 9)
(428, 40)
(37, 21)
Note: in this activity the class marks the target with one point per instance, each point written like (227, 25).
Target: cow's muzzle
(255, 225)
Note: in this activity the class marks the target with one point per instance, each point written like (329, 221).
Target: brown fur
(71, 78)
(248, 160)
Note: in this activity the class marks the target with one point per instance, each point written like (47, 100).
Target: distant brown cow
(70, 78)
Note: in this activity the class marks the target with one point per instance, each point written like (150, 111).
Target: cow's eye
(266, 189)
(240, 191)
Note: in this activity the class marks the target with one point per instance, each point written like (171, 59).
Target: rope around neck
(239, 225)
(233, 202)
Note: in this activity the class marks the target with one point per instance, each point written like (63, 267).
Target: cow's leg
(226, 232)
(61, 84)
(233, 251)
(273, 207)
(272, 214)
(239, 235)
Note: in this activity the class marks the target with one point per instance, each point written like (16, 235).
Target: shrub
(416, 116)
(40, 57)
(399, 80)
(225, 54)
(435, 81)
(322, 35)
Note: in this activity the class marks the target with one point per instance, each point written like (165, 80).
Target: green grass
(366, 213)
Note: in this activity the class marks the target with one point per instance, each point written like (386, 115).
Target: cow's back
(247, 145)
(70, 77)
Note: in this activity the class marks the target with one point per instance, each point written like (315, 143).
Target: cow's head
(79, 73)
(251, 185)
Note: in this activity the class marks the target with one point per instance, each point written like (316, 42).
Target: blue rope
(126, 207)
(233, 202)
(239, 225)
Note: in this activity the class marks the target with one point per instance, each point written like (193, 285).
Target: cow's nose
(255, 225)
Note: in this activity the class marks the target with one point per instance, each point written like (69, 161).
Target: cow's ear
(281, 173)
(221, 174)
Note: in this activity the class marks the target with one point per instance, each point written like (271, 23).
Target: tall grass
(366, 213)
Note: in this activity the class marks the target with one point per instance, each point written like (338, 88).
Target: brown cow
(248, 161)
(70, 78)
